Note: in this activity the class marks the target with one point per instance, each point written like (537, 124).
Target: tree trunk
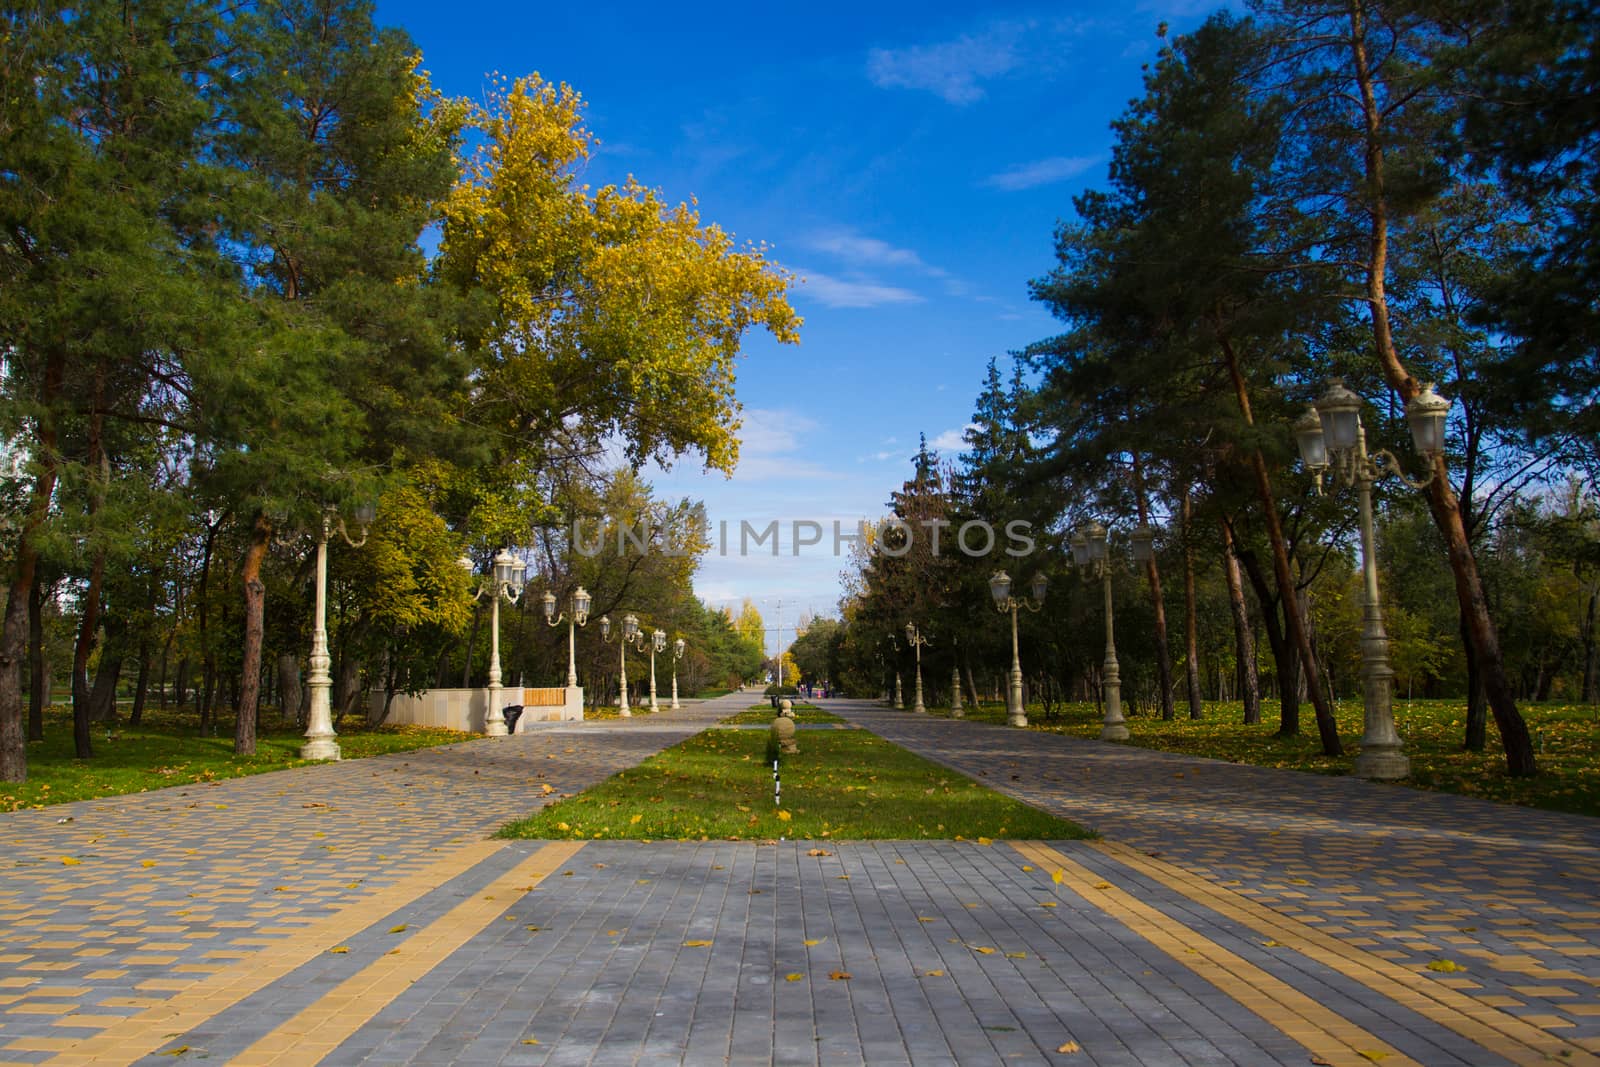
(1326, 725)
(24, 561)
(141, 685)
(1158, 609)
(180, 685)
(37, 682)
(255, 602)
(288, 687)
(1191, 622)
(1442, 502)
(346, 687)
(1477, 730)
(1244, 644)
(88, 629)
(1284, 658)
(103, 696)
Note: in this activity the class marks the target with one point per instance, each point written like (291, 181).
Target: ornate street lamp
(1332, 441)
(628, 636)
(1004, 602)
(579, 617)
(1091, 554)
(320, 743)
(504, 580)
(915, 639)
(677, 653)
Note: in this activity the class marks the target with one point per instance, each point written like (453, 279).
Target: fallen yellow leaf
(1016, 955)
(983, 950)
(793, 977)
(1102, 885)
(68, 861)
(784, 816)
(1058, 876)
(1069, 1047)
(148, 863)
(985, 841)
(814, 941)
(340, 949)
(635, 819)
(840, 976)
(1047, 904)
(696, 944)
(933, 974)
(398, 929)
(1026, 867)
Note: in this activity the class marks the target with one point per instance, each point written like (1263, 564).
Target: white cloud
(953, 440)
(852, 293)
(766, 431)
(857, 250)
(1041, 172)
(951, 70)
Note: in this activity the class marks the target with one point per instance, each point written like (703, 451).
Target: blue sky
(909, 161)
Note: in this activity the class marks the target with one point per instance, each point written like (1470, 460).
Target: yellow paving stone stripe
(197, 1001)
(341, 1011)
(1506, 1035)
(1327, 1036)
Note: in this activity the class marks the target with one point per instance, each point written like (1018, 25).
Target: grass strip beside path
(167, 749)
(762, 714)
(843, 784)
(1566, 744)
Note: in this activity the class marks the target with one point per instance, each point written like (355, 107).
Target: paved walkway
(358, 913)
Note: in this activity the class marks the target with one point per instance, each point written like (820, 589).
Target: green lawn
(763, 714)
(611, 711)
(843, 785)
(166, 749)
(1431, 730)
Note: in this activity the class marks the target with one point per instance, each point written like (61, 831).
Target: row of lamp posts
(1332, 442)
(505, 579)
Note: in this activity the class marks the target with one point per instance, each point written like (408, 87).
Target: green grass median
(843, 785)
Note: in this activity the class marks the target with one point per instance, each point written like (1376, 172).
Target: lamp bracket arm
(1385, 462)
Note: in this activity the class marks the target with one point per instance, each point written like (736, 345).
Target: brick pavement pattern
(358, 913)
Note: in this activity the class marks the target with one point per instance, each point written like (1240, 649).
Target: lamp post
(579, 617)
(658, 643)
(915, 639)
(1004, 602)
(1332, 440)
(677, 654)
(899, 702)
(1091, 555)
(505, 580)
(956, 711)
(320, 743)
(630, 631)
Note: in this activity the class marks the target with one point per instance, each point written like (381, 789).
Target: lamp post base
(1113, 732)
(320, 748)
(1382, 764)
(1016, 710)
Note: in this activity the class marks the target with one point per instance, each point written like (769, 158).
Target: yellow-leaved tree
(606, 313)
